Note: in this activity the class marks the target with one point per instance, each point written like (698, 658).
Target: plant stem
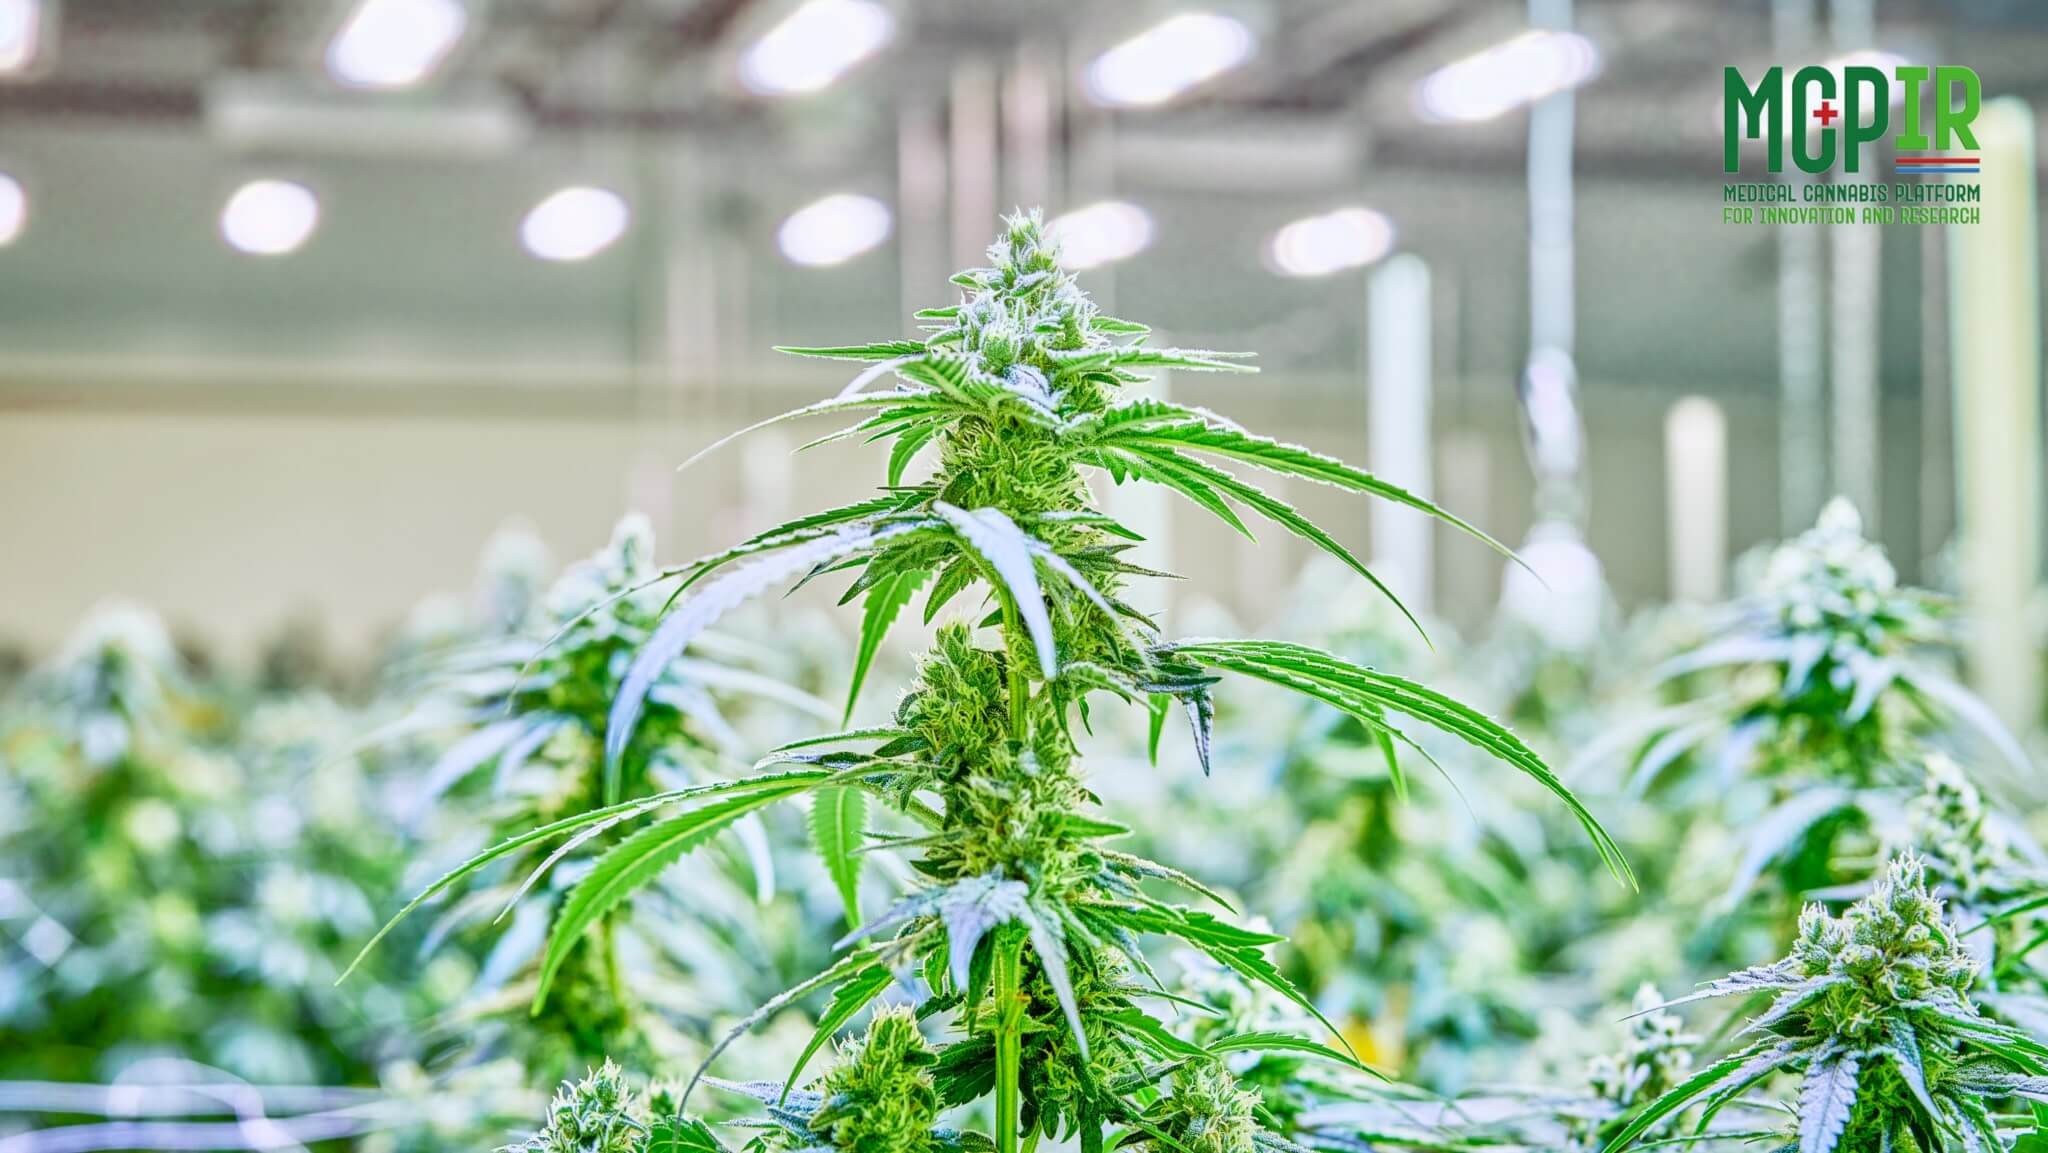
(1020, 684)
(1007, 977)
(613, 975)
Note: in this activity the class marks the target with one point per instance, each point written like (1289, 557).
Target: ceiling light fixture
(1102, 233)
(21, 34)
(1334, 241)
(1169, 58)
(1520, 71)
(815, 45)
(575, 224)
(270, 217)
(395, 43)
(833, 230)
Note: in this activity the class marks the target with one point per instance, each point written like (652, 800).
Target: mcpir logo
(1840, 131)
(1832, 114)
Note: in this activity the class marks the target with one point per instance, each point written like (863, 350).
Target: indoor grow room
(913, 576)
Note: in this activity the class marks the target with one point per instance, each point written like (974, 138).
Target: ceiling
(130, 139)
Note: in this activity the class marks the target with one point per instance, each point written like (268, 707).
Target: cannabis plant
(1654, 1058)
(1810, 705)
(170, 885)
(1828, 668)
(1974, 861)
(1872, 1014)
(1025, 929)
(532, 707)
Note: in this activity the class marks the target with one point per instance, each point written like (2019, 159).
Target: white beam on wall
(1854, 254)
(1398, 423)
(1802, 429)
(1696, 498)
(1994, 311)
(972, 160)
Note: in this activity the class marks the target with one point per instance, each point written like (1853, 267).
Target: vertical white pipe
(1030, 116)
(1854, 254)
(1937, 412)
(1856, 433)
(1994, 311)
(973, 160)
(1398, 423)
(1696, 498)
(1552, 279)
(922, 255)
(1802, 429)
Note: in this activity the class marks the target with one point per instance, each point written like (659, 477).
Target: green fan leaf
(885, 600)
(853, 995)
(838, 826)
(1826, 1099)
(713, 601)
(1360, 691)
(633, 863)
(547, 832)
(1006, 551)
(1267, 1041)
(1276, 510)
(681, 1135)
(1675, 1099)
(1203, 434)
(879, 350)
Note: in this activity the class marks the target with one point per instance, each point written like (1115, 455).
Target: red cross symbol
(1825, 114)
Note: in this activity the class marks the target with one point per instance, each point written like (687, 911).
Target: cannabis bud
(1206, 1112)
(879, 1098)
(1945, 823)
(1890, 954)
(1830, 577)
(598, 1114)
(1872, 1011)
(1656, 1056)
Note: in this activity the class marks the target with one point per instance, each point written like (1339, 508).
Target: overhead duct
(264, 112)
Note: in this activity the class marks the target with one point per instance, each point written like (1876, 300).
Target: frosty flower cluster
(1946, 823)
(879, 1097)
(599, 1114)
(1891, 954)
(1831, 579)
(1657, 1055)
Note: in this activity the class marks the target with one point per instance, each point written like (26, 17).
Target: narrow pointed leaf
(713, 601)
(634, 862)
(1007, 551)
(571, 824)
(884, 602)
(879, 350)
(848, 999)
(1826, 1098)
(838, 827)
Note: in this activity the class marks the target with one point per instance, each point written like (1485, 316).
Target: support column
(971, 125)
(1398, 423)
(1802, 427)
(1696, 498)
(1995, 310)
(1854, 256)
(922, 254)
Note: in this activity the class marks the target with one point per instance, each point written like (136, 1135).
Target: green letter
(1746, 114)
(1912, 76)
(1804, 126)
(1860, 85)
(1957, 119)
